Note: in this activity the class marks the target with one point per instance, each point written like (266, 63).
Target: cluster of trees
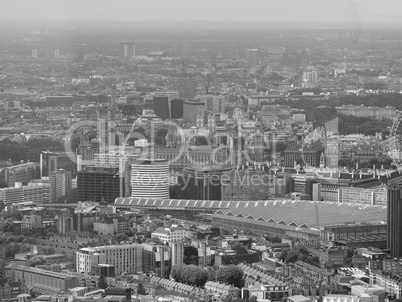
(299, 253)
(28, 150)
(384, 161)
(35, 261)
(321, 111)
(198, 276)
(70, 197)
(364, 125)
(189, 274)
(231, 274)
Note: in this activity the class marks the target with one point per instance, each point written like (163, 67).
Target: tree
(231, 274)
(156, 240)
(253, 299)
(3, 183)
(129, 232)
(176, 272)
(35, 261)
(121, 237)
(189, 274)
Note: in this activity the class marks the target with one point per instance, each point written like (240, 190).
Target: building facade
(125, 258)
(37, 193)
(100, 184)
(150, 178)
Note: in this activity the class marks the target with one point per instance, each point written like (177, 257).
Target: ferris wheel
(394, 142)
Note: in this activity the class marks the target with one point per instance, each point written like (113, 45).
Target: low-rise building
(125, 258)
(168, 235)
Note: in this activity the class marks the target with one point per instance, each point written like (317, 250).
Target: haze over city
(205, 10)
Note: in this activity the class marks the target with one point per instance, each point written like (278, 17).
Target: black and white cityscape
(188, 151)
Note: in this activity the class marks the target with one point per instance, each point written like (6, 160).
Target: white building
(169, 235)
(125, 258)
(37, 193)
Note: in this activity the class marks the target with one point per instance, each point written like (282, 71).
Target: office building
(22, 172)
(176, 108)
(125, 258)
(309, 79)
(127, 49)
(161, 107)
(394, 221)
(52, 161)
(35, 53)
(185, 85)
(214, 103)
(36, 193)
(105, 270)
(64, 224)
(363, 111)
(150, 178)
(310, 76)
(191, 110)
(100, 184)
(252, 57)
(246, 184)
(60, 183)
(33, 276)
(177, 250)
(156, 258)
(202, 182)
(106, 135)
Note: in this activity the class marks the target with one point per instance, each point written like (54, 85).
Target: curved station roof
(296, 213)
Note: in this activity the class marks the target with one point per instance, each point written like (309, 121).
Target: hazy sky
(200, 10)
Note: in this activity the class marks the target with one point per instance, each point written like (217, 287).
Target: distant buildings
(35, 53)
(214, 103)
(185, 85)
(192, 109)
(245, 184)
(161, 107)
(176, 108)
(363, 111)
(252, 57)
(127, 49)
(309, 79)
